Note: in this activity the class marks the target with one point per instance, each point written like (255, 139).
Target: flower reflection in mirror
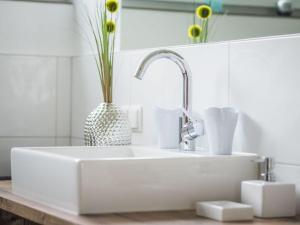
(201, 29)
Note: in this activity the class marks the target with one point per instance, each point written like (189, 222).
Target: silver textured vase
(107, 125)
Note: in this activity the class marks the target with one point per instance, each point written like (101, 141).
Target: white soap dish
(224, 211)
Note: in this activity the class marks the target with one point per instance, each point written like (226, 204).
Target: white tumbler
(220, 125)
(168, 127)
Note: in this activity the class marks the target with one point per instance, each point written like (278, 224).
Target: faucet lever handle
(192, 130)
(199, 127)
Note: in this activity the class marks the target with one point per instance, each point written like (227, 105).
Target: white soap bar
(270, 199)
(224, 211)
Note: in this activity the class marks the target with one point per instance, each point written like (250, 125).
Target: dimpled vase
(107, 125)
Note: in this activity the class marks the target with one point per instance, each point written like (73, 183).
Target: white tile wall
(264, 78)
(63, 97)
(86, 92)
(77, 141)
(264, 83)
(28, 87)
(29, 28)
(35, 92)
(63, 141)
(35, 97)
(291, 174)
(37, 28)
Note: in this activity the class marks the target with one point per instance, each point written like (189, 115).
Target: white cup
(220, 125)
(168, 127)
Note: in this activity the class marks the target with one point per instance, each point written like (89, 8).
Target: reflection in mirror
(155, 23)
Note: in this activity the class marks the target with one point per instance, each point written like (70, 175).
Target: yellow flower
(112, 5)
(204, 12)
(194, 31)
(110, 26)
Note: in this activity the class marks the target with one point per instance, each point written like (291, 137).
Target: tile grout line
(81, 138)
(33, 55)
(71, 100)
(228, 74)
(56, 100)
(30, 137)
(287, 164)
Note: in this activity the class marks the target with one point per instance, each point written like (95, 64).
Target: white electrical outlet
(135, 116)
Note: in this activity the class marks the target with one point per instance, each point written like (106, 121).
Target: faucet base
(188, 145)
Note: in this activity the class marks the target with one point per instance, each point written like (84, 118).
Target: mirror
(156, 23)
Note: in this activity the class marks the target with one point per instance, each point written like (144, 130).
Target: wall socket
(135, 116)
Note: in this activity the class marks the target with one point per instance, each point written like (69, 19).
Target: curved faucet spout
(176, 58)
(187, 141)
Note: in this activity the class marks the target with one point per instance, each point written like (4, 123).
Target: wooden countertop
(42, 214)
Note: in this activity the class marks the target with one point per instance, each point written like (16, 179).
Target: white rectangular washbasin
(92, 180)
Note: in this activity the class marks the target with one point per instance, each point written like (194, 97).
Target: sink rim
(158, 153)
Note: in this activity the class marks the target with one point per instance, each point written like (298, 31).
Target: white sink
(90, 180)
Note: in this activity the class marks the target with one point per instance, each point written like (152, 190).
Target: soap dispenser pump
(270, 199)
(266, 169)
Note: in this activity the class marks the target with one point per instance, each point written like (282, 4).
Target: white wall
(263, 84)
(260, 77)
(148, 28)
(35, 103)
(36, 42)
(37, 28)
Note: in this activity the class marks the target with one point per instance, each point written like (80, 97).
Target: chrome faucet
(188, 131)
